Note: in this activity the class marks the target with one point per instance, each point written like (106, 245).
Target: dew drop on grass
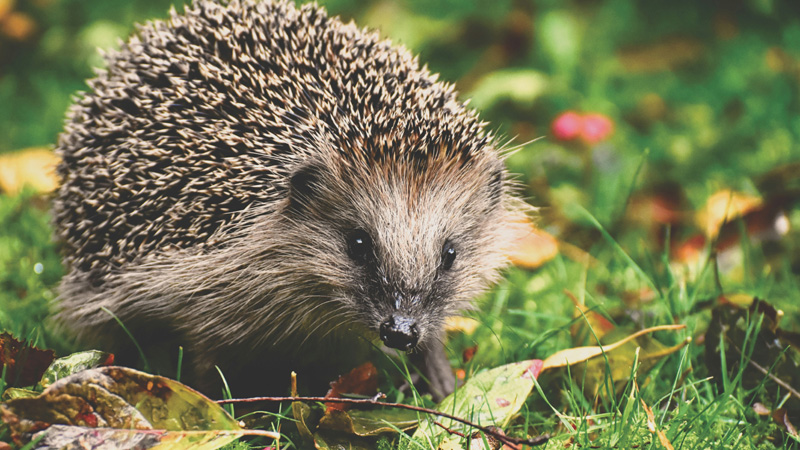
(38, 268)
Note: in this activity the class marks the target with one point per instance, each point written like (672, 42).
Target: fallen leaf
(12, 393)
(580, 354)
(363, 380)
(126, 404)
(450, 443)
(469, 353)
(75, 437)
(589, 322)
(690, 250)
(760, 409)
(722, 207)
(303, 416)
(24, 363)
(74, 363)
(466, 325)
(651, 425)
(533, 248)
(489, 398)
(369, 423)
(781, 417)
(335, 441)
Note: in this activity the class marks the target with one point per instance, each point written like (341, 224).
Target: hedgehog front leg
(435, 367)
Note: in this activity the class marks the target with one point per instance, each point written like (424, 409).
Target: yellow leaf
(465, 325)
(34, 167)
(580, 354)
(722, 207)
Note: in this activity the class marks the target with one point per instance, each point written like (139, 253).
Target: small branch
(777, 380)
(367, 401)
(448, 430)
(768, 373)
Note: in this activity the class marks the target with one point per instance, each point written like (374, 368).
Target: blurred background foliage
(693, 99)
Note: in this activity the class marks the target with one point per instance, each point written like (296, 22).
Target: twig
(774, 378)
(448, 430)
(539, 440)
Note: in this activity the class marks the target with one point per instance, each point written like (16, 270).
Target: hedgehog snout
(400, 332)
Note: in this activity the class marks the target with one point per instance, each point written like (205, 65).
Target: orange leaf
(598, 324)
(533, 248)
(362, 380)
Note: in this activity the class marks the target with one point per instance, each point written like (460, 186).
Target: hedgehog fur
(214, 175)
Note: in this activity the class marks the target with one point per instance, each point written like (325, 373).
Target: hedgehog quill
(275, 190)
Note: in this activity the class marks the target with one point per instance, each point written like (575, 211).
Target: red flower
(567, 126)
(590, 128)
(596, 128)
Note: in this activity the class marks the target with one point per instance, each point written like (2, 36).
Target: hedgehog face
(408, 249)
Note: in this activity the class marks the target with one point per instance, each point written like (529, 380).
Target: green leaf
(12, 393)
(489, 398)
(74, 363)
(369, 423)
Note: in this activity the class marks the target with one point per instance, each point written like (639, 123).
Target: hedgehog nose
(399, 332)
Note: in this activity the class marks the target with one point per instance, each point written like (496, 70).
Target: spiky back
(199, 118)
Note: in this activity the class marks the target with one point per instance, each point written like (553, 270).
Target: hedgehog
(274, 189)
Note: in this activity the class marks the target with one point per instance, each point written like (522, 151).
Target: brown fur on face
(213, 174)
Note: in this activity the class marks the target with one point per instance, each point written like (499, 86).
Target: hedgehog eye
(359, 246)
(448, 255)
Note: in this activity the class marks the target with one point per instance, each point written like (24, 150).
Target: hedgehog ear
(304, 183)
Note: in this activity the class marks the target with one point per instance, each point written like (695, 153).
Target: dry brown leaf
(781, 417)
(651, 425)
(24, 364)
(34, 167)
